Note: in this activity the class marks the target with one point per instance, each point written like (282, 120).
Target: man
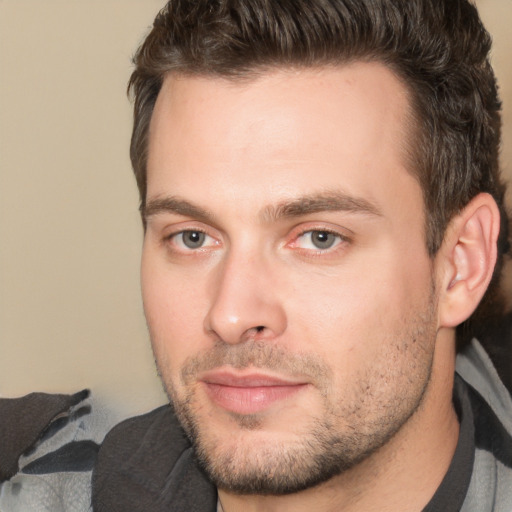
(323, 213)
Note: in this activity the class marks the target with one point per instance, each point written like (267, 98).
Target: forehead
(289, 130)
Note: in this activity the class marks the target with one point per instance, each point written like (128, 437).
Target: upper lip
(246, 380)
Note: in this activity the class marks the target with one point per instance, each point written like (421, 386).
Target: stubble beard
(347, 433)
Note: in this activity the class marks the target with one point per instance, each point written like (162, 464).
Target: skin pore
(292, 306)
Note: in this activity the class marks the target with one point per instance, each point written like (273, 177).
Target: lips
(248, 393)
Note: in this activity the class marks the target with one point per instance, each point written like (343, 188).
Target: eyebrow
(321, 202)
(299, 207)
(176, 206)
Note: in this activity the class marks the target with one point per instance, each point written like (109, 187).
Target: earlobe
(468, 257)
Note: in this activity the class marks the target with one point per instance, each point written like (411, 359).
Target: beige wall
(70, 312)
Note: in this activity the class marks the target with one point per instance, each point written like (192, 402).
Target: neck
(402, 476)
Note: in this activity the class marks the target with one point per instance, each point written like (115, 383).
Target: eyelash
(342, 241)
(174, 235)
(319, 252)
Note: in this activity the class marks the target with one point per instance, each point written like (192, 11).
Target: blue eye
(318, 240)
(323, 239)
(193, 239)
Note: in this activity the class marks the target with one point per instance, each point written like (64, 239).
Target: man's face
(286, 283)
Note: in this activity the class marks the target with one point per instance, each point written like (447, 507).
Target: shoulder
(142, 443)
(48, 449)
(491, 483)
(135, 437)
(147, 463)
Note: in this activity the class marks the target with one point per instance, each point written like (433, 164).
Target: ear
(466, 259)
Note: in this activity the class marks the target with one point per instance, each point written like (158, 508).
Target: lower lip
(249, 400)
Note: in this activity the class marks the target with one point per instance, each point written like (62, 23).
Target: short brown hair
(438, 48)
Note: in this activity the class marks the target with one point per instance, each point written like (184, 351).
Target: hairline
(411, 129)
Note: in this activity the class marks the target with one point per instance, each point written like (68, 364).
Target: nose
(245, 303)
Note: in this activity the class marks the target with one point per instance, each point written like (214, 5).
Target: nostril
(260, 328)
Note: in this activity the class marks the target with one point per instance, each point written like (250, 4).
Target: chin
(243, 454)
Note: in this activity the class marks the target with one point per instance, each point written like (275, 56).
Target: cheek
(347, 315)
(174, 310)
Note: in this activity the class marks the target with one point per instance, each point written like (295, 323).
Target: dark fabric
(491, 434)
(74, 456)
(146, 464)
(25, 421)
(495, 335)
(450, 495)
